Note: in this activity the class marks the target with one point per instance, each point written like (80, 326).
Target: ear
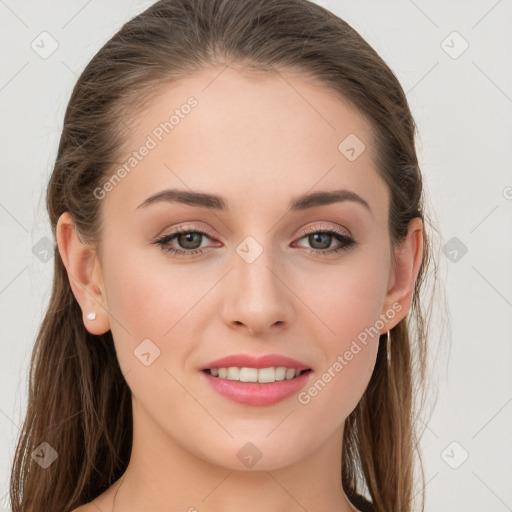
(403, 274)
(84, 274)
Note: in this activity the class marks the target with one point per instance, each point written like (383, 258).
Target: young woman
(241, 243)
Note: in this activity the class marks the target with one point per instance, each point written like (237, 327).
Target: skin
(258, 142)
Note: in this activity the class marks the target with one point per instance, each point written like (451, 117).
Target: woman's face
(261, 282)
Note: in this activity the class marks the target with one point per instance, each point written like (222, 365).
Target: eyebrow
(303, 202)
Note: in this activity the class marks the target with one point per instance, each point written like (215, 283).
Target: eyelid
(186, 228)
(316, 228)
(310, 229)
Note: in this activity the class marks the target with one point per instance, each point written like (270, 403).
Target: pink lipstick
(256, 381)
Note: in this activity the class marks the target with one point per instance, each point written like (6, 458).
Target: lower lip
(256, 393)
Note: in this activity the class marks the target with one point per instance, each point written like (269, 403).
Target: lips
(248, 361)
(256, 393)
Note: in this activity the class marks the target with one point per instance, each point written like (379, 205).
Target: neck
(162, 475)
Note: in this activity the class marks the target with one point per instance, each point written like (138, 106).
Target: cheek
(145, 307)
(151, 299)
(350, 311)
(348, 304)
(335, 390)
(346, 298)
(146, 294)
(135, 296)
(135, 300)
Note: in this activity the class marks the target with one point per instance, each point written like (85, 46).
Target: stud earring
(91, 316)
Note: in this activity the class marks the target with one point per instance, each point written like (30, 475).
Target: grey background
(462, 102)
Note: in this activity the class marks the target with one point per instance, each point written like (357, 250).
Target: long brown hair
(79, 402)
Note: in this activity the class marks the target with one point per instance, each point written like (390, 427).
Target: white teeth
(249, 375)
(280, 373)
(233, 373)
(266, 375)
(290, 373)
(262, 375)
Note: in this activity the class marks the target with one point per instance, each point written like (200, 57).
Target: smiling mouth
(259, 375)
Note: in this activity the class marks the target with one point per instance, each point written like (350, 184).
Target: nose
(258, 297)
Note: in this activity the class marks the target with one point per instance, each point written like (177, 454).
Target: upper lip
(248, 361)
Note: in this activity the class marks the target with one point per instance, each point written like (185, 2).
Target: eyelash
(164, 241)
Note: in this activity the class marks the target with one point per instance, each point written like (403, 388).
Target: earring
(91, 316)
(388, 347)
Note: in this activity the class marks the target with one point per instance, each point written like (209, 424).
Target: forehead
(260, 136)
